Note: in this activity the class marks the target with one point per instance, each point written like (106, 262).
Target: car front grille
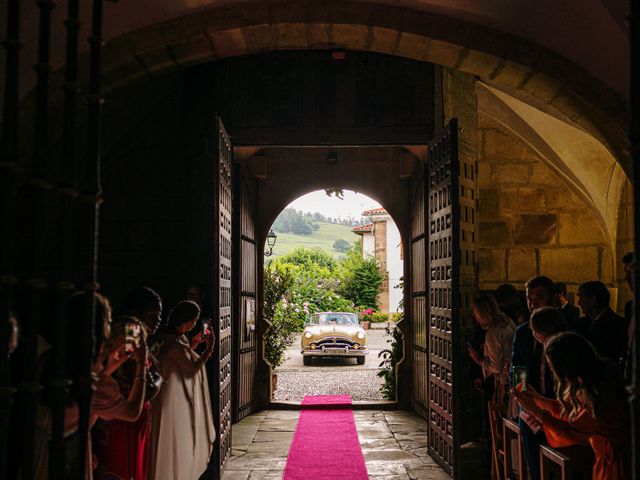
(335, 343)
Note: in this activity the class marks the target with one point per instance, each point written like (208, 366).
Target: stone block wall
(380, 232)
(531, 222)
(624, 241)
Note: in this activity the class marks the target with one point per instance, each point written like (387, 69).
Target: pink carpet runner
(325, 444)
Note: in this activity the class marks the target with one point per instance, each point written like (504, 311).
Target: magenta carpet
(325, 443)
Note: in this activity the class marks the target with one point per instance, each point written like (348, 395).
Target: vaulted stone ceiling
(586, 166)
(590, 33)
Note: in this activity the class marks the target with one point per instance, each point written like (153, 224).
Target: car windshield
(334, 319)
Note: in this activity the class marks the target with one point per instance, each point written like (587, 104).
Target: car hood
(333, 330)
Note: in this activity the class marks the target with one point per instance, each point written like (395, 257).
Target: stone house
(381, 240)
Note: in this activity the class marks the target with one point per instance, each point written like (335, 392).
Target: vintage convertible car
(334, 334)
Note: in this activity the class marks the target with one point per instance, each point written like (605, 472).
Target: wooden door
(452, 281)
(244, 295)
(419, 292)
(221, 305)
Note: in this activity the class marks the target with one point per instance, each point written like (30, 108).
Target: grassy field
(322, 238)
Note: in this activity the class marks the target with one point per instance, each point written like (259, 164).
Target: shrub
(277, 285)
(396, 317)
(379, 317)
(390, 358)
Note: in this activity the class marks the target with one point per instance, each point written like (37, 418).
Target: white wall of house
(395, 265)
(368, 245)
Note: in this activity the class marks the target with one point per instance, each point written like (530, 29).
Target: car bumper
(334, 352)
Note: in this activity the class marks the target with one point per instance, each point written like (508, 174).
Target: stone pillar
(380, 242)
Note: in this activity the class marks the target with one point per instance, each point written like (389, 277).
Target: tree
(292, 221)
(341, 245)
(309, 257)
(360, 278)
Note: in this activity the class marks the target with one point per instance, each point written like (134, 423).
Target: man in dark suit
(527, 352)
(606, 330)
(571, 312)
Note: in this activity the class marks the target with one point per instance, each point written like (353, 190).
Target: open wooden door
(245, 280)
(419, 295)
(220, 363)
(452, 282)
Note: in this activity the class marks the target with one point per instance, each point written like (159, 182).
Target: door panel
(419, 399)
(245, 288)
(221, 361)
(452, 276)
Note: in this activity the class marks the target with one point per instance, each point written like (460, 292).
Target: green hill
(322, 238)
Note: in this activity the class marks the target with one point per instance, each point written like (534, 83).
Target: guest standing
(606, 330)
(496, 355)
(571, 312)
(122, 447)
(527, 352)
(591, 408)
(183, 431)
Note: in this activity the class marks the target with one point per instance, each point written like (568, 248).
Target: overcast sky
(352, 205)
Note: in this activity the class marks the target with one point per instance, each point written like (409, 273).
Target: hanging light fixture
(271, 242)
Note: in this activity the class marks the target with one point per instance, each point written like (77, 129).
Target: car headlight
(361, 335)
(307, 335)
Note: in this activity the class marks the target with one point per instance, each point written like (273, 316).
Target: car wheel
(306, 360)
(360, 360)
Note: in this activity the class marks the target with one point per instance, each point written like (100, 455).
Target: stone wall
(380, 232)
(624, 241)
(531, 222)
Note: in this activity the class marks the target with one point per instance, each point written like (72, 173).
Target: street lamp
(271, 242)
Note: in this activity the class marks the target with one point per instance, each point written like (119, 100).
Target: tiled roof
(374, 211)
(368, 227)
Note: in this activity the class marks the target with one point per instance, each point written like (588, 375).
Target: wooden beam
(329, 136)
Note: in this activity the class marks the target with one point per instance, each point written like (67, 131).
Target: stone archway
(523, 69)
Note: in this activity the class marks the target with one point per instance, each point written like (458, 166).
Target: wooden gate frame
(245, 288)
(452, 282)
(221, 293)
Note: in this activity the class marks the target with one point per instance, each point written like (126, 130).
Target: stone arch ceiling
(525, 48)
(576, 156)
(590, 33)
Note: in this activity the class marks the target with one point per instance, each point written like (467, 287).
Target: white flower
(297, 310)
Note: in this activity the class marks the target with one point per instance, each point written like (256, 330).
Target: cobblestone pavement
(331, 377)
(394, 445)
(360, 384)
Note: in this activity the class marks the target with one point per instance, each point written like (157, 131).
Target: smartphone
(519, 378)
(206, 328)
(132, 332)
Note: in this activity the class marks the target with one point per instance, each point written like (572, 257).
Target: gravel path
(360, 384)
(331, 377)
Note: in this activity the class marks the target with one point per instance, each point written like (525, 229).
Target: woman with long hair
(494, 362)
(496, 352)
(591, 406)
(183, 432)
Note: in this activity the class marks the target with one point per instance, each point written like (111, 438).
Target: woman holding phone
(182, 432)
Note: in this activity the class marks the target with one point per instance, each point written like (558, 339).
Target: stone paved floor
(394, 445)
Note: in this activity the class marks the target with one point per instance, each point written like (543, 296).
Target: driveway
(332, 376)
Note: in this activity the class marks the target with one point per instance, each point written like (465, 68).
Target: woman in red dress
(122, 447)
(591, 409)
